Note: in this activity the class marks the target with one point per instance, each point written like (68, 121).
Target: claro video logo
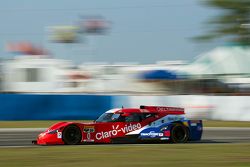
(116, 129)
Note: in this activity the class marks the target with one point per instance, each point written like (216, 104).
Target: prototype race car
(127, 125)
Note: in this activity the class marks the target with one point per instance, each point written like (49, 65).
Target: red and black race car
(127, 125)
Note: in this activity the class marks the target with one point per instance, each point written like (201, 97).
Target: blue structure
(53, 106)
(159, 75)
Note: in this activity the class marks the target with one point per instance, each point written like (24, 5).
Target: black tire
(179, 133)
(72, 135)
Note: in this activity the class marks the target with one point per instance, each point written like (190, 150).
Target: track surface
(24, 136)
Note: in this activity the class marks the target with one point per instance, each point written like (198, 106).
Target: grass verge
(162, 155)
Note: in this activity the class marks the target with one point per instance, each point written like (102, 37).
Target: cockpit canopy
(124, 117)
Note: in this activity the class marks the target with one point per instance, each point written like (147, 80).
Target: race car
(127, 125)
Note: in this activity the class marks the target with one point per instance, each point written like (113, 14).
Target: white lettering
(98, 136)
(115, 130)
(130, 128)
(123, 130)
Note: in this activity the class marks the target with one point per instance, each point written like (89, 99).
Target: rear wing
(165, 109)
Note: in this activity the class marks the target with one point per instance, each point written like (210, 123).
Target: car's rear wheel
(179, 133)
(72, 135)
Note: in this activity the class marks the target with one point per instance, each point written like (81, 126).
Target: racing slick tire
(179, 133)
(72, 135)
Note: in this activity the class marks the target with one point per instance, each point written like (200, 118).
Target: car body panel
(152, 123)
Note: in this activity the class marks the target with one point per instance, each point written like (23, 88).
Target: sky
(143, 31)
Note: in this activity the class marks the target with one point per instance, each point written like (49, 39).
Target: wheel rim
(72, 135)
(179, 134)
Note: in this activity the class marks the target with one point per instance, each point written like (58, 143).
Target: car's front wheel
(72, 135)
(179, 133)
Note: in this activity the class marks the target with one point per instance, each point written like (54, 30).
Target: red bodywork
(104, 132)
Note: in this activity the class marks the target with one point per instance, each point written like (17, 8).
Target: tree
(233, 23)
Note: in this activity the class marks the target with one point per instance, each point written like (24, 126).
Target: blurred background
(84, 57)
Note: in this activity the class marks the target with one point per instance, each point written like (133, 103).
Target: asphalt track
(22, 137)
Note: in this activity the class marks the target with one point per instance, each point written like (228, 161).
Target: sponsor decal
(59, 135)
(166, 133)
(88, 129)
(152, 134)
(175, 118)
(116, 129)
(88, 140)
(193, 124)
(169, 109)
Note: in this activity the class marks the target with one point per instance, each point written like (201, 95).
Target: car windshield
(110, 117)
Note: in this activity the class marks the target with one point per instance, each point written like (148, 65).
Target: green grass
(162, 155)
(44, 124)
